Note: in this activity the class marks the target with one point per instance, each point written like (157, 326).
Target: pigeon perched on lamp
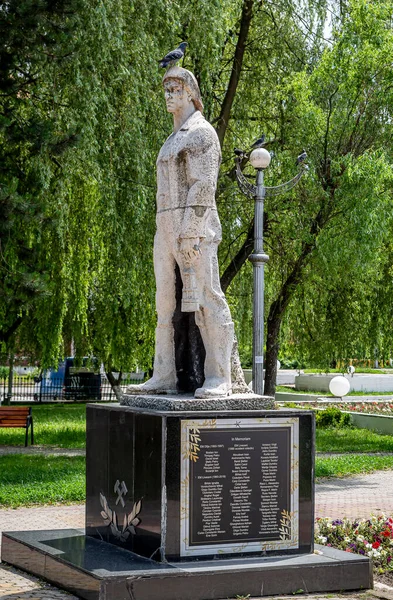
(173, 56)
(259, 142)
(240, 153)
(301, 158)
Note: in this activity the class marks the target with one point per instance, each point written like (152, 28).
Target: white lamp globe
(260, 158)
(339, 386)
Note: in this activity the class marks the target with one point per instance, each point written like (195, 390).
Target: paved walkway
(353, 497)
(47, 450)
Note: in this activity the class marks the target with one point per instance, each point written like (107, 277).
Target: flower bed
(380, 408)
(371, 537)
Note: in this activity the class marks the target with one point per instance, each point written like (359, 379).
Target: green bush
(4, 372)
(291, 363)
(332, 417)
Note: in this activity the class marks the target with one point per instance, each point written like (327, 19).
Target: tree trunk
(7, 400)
(225, 113)
(239, 259)
(115, 383)
(272, 348)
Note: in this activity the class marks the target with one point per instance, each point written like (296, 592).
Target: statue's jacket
(187, 170)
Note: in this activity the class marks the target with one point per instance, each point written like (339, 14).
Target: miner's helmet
(189, 82)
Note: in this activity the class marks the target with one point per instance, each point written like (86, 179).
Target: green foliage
(327, 277)
(4, 372)
(37, 38)
(291, 363)
(82, 121)
(331, 417)
(341, 309)
(82, 118)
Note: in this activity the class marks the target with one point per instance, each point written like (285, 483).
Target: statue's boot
(164, 370)
(218, 342)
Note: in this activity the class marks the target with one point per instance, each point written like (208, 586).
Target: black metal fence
(80, 387)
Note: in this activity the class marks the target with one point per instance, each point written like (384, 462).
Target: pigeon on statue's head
(172, 57)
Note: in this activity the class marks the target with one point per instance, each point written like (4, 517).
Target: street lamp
(260, 160)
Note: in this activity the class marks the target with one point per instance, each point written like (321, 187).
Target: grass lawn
(62, 425)
(291, 390)
(37, 479)
(28, 479)
(352, 440)
(340, 466)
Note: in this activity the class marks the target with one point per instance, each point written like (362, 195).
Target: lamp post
(260, 160)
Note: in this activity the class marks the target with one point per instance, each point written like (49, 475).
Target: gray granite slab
(94, 570)
(189, 403)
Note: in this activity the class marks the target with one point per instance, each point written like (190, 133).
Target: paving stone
(355, 497)
(16, 585)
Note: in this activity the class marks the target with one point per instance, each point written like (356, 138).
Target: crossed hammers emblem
(121, 490)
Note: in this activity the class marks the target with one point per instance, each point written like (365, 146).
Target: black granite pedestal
(177, 485)
(200, 504)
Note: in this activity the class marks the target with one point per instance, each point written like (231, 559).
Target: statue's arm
(203, 160)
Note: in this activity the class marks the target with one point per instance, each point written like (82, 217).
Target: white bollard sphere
(260, 158)
(339, 386)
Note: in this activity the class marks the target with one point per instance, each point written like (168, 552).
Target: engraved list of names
(239, 482)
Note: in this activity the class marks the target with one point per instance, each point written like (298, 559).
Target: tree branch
(6, 335)
(328, 125)
(237, 64)
(239, 259)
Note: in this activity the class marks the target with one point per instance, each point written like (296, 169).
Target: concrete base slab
(95, 570)
(187, 402)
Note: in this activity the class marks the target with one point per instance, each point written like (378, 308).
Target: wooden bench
(17, 416)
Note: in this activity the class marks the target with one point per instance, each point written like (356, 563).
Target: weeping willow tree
(331, 231)
(79, 127)
(82, 120)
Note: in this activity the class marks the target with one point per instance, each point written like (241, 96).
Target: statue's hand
(190, 249)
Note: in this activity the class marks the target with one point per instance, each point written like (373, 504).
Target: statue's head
(188, 83)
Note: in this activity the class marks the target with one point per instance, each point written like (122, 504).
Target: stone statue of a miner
(187, 237)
